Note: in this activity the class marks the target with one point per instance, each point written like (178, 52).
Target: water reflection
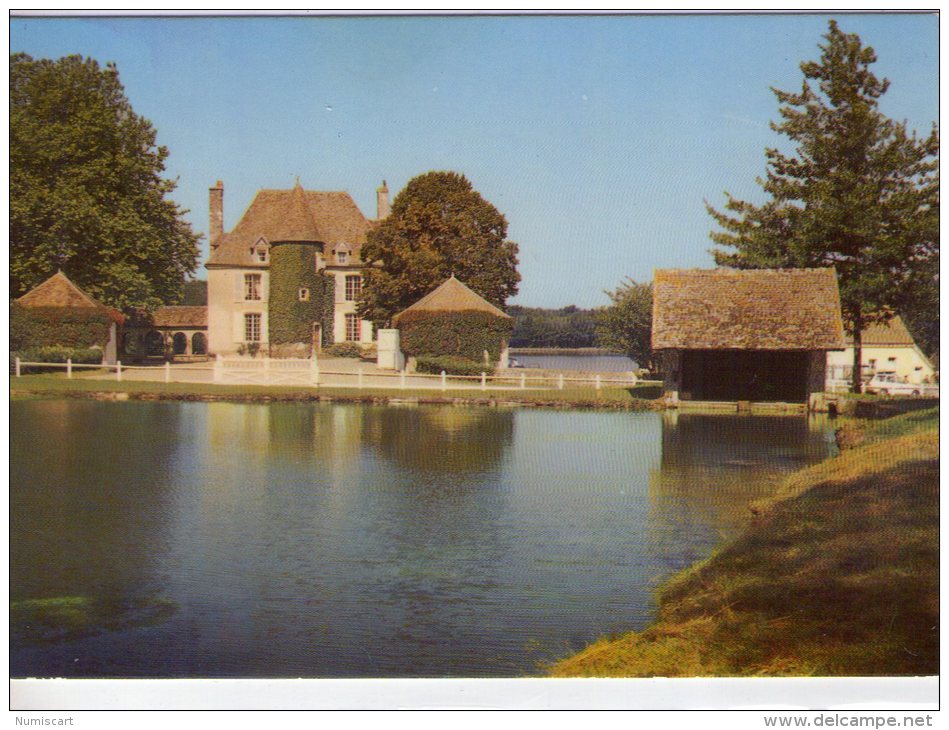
(336, 541)
(714, 466)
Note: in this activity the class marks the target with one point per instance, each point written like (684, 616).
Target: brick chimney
(216, 205)
(382, 202)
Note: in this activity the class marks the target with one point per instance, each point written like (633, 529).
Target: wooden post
(68, 367)
(523, 381)
(597, 382)
(560, 381)
(118, 370)
(218, 368)
(315, 371)
(18, 367)
(402, 380)
(167, 371)
(484, 381)
(444, 381)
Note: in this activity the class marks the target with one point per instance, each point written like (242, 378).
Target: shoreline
(855, 535)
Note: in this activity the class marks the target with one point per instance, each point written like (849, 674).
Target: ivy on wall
(464, 334)
(32, 327)
(292, 268)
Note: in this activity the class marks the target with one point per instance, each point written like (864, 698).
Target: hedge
(343, 349)
(459, 334)
(55, 353)
(32, 327)
(451, 365)
(292, 267)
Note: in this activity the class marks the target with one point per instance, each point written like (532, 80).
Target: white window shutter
(238, 286)
(238, 327)
(264, 286)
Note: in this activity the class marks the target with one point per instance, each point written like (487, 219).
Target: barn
(727, 335)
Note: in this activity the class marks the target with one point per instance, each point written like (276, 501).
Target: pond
(236, 540)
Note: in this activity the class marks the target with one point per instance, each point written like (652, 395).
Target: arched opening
(154, 344)
(180, 343)
(199, 344)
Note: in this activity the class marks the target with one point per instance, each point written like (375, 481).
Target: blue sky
(597, 137)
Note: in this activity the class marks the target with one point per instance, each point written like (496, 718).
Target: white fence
(308, 374)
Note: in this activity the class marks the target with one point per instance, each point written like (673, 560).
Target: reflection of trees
(80, 525)
(441, 440)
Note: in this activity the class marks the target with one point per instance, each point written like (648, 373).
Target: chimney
(216, 205)
(382, 202)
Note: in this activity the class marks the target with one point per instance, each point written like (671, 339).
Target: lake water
(284, 540)
(580, 363)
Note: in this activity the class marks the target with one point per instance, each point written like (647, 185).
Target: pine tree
(861, 193)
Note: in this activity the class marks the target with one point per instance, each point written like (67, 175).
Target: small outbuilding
(453, 320)
(745, 335)
(60, 313)
(174, 331)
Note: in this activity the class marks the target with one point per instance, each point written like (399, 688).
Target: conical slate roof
(452, 296)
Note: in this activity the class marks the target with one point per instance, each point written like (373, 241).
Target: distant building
(172, 331)
(745, 335)
(262, 300)
(885, 348)
(58, 295)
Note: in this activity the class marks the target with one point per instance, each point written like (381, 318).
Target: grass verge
(836, 576)
(639, 397)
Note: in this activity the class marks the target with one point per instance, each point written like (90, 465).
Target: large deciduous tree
(86, 189)
(439, 226)
(860, 193)
(626, 325)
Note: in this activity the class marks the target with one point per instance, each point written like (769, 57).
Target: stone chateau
(260, 296)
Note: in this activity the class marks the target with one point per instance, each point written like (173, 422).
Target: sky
(598, 137)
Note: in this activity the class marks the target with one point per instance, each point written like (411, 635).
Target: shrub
(370, 353)
(451, 365)
(56, 353)
(460, 334)
(344, 349)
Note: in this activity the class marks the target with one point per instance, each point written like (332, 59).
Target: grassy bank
(836, 575)
(57, 385)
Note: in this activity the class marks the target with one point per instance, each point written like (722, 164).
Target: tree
(861, 193)
(626, 325)
(439, 226)
(86, 192)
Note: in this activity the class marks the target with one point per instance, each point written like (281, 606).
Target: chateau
(288, 275)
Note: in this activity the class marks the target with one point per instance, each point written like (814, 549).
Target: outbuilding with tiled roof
(745, 335)
(886, 347)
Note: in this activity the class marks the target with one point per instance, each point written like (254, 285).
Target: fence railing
(308, 373)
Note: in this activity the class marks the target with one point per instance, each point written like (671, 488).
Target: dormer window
(260, 251)
(342, 254)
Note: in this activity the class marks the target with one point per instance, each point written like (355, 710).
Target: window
(262, 255)
(251, 328)
(252, 287)
(352, 328)
(342, 256)
(304, 294)
(353, 288)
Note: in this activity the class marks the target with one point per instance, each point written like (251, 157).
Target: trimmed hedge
(292, 267)
(451, 365)
(32, 327)
(455, 334)
(55, 353)
(344, 349)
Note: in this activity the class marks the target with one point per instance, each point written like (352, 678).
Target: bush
(370, 353)
(344, 349)
(56, 353)
(451, 365)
